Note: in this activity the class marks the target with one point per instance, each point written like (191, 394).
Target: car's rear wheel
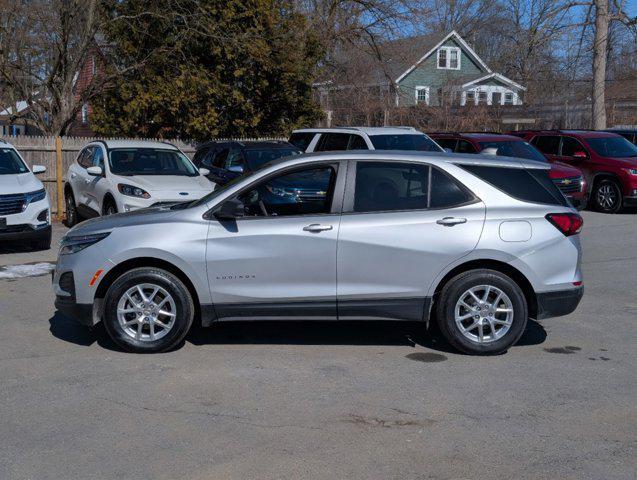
(71, 209)
(148, 310)
(482, 312)
(607, 196)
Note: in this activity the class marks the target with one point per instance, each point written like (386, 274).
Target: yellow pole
(58, 178)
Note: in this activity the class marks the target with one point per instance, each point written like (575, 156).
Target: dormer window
(449, 58)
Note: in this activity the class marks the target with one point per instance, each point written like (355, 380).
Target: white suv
(122, 175)
(24, 205)
(362, 138)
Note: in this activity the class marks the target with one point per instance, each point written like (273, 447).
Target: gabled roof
(465, 46)
(496, 76)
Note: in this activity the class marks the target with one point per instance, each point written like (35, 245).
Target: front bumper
(25, 233)
(630, 201)
(558, 303)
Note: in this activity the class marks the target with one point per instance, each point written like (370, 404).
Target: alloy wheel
(484, 314)
(607, 196)
(146, 312)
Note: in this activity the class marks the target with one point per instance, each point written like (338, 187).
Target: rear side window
(357, 143)
(449, 143)
(465, 147)
(527, 185)
(446, 192)
(333, 141)
(547, 144)
(301, 140)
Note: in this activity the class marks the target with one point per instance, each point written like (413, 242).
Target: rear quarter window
(301, 140)
(532, 185)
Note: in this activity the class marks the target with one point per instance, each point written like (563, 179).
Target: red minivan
(568, 179)
(608, 160)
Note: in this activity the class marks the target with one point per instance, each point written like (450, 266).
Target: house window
(482, 97)
(85, 113)
(93, 65)
(471, 98)
(422, 95)
(449, 58)
(508, 98)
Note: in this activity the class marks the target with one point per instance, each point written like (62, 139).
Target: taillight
(567, 223)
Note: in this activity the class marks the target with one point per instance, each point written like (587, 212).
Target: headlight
(32, 197)
(132, 191)
(73, 244)
(632, 171)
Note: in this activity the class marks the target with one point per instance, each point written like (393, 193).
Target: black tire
(607, 196)
(184, 314)
(110, 208)
(72, 217)
(452, 292)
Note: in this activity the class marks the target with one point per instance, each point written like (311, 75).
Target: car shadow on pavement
(411, 334)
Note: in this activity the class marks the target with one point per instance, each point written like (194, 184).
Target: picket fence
(41, 150)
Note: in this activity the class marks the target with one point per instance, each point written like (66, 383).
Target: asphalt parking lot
(324, 400)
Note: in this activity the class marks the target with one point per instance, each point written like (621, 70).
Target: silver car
(476, 243)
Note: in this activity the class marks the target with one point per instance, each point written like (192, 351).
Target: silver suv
(476, 243)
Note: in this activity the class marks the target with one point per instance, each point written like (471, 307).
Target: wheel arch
(516, 275)
(108, 197)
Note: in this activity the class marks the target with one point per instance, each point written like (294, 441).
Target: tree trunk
(599, 64)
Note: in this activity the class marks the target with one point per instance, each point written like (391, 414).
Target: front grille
(568, 185)
(11, 204)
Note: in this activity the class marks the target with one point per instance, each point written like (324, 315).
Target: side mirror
(490, 151)
(204, 171)
(230, 210)
(235, 169)
(580, 155)
(38, 169)
(94, 171)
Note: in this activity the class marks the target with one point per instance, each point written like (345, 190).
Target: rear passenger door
(403, 223)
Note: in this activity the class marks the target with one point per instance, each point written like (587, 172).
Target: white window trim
(418, 89)
(448, 58)
(85, 113)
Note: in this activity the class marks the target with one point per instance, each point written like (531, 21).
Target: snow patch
(27, 270)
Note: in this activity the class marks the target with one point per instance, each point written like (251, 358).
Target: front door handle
(317, 227)
(451, 221)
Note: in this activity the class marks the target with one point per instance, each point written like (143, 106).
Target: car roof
(249, 144)
(434, 158)
(367, 130)
(479, 136)
(579, 133)
(136, 144)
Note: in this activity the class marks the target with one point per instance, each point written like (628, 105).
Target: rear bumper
(556, 304)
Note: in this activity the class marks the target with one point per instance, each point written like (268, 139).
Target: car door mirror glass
(94, 171)
(235, 169)
(580, 155)
(230, 210)
(204, 171)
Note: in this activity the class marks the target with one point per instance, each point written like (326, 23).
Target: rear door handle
(451, 221)
(317, 227)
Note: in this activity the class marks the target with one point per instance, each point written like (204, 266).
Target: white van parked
(25, 210)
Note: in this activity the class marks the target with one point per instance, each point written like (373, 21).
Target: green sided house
(432, 70)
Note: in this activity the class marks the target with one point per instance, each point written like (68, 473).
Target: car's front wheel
(148, 310)
(607, 196)
(482, 312)
(72, 217)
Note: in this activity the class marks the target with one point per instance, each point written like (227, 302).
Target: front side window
(333, 142)
(419, 142)
(513, 148)
(11, 163)
(302, 192)
(221, 156)
(570, 146)
(85, 158)
(150, 161)
(548, 144)
(98, 158)
(612, 147)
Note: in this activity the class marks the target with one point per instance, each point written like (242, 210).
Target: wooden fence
(38, 150)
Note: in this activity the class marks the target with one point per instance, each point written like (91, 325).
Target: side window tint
(302, 140)
(465, 147)
(446, 192)
(547, 144)
(234, 159)
(357, 143)
(449, 143)
(527, 185)
(570, 146)
(98, 158)
(333, 141)
(303, 192)
(385, 186)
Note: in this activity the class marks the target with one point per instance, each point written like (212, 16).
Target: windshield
(150, 161)
(418, 142)
(612, 147)
(10, 162)
(256, 158)
(513, 148)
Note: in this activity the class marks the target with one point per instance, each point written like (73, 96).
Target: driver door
(279, 261)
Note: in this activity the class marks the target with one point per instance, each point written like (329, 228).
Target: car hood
(145, 216)
(563, 170)
(20, 183)
(169, 183)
